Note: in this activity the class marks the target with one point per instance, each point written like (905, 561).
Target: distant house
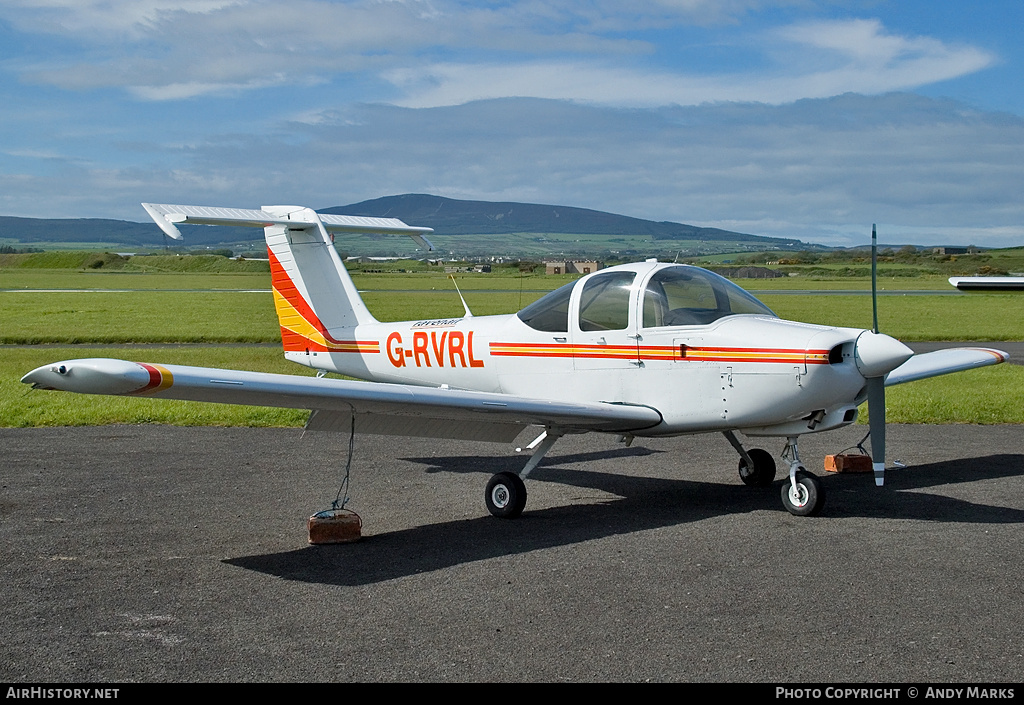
(572, 267)
(972, 250)
(478, 268)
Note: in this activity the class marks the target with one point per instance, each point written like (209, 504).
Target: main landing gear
(505, 495)
(802, 495)
(757, 467)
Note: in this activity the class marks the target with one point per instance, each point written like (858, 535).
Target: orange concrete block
(848, 463)
(335, 526)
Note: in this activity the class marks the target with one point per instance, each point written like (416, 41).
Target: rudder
(314, 295)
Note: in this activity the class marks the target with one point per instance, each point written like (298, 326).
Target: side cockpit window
(550, 312)
(604, 302)
(687, 296)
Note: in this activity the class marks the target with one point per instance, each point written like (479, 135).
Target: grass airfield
(219, 318)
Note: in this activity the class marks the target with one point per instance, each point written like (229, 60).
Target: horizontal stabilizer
(168, 217)
(418, 404)
(941, 362)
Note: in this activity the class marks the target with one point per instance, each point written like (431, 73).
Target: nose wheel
(803, 495)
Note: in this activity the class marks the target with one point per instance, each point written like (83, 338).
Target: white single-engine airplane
(637, 350)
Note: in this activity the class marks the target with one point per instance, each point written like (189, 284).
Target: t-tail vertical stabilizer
(315, 298)
(314, 295)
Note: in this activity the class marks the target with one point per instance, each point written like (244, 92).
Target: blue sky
(802, 118)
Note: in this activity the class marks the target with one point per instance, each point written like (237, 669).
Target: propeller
(876, 385)
(877, 355)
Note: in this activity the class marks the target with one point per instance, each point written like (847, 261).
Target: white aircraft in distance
(988, 283)
(638, 350)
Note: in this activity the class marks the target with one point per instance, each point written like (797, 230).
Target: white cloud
(822, 59)
(445, 52)
(101, 19)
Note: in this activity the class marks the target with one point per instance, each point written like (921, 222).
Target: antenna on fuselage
(469, 314)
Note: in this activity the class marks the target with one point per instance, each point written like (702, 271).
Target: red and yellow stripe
(301, 328)
(776, 355)
(160, 378)
(661, 352)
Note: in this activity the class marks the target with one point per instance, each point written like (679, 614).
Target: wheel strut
(804, 494)
(505, 495)
(756, 467)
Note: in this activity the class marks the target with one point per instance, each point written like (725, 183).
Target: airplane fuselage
(741, 371)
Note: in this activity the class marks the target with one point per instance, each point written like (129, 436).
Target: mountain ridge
(534, 229)
(464, 217)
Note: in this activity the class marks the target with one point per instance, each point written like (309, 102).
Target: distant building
(572, 267)
(972, 250)
(478, 268)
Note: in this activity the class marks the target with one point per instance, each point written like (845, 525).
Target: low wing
(941, 362)
(390, 409)
(168, 217)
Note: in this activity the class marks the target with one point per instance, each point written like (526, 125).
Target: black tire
(763, 472)
(505, 496)
(810, 496)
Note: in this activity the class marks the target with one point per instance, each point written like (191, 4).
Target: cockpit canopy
(676, 295)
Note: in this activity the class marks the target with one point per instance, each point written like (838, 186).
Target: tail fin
(313, 293)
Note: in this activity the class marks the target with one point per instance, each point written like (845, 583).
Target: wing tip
(163, 221)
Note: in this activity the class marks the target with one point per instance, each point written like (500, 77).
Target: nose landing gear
(803, 495)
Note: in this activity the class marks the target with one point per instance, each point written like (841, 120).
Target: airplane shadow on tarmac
(642, 504)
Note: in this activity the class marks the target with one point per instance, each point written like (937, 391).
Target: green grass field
(217, 308)
(911, 318)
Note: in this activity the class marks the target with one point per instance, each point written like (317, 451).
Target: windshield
(684, 296)
(550, 312)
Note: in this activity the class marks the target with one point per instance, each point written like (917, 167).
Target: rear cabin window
(687, 296)
(604, 302)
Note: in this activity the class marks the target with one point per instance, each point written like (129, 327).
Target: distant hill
(449, 216)
(101, 232)
(76, 230)
(461, 228)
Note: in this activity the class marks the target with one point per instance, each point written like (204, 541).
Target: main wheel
(505, 496)
(807, 498)
(763, 472)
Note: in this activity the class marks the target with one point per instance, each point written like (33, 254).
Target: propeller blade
(876, 422)
(876, 385)
(874, 279)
